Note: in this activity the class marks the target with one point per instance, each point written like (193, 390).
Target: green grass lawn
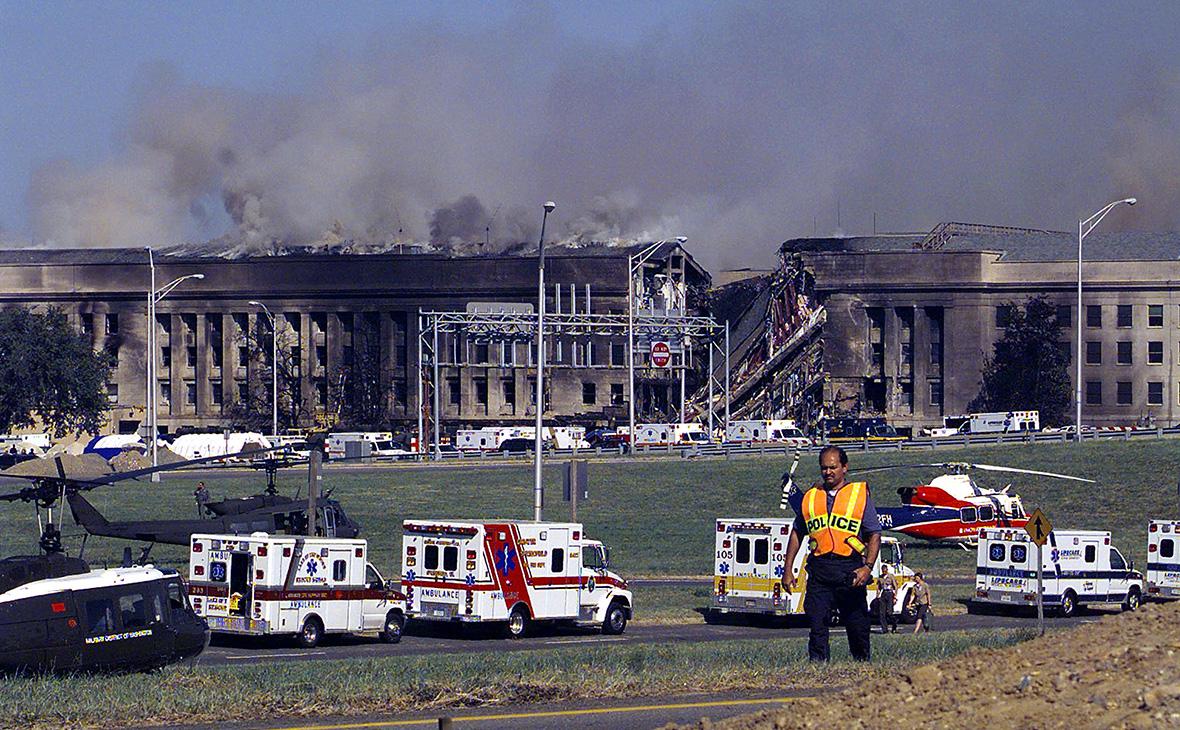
(657, 514)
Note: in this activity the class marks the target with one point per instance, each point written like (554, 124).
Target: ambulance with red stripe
(267, 585)
(512, 572)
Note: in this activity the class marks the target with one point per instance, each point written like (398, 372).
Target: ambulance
(511, 572)
(1079, 567)
(267, 585)
(1163, 563)
(750, 558)
(762, 432)
(670, 434)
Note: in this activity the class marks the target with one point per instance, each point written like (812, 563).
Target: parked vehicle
(749, 560)
(305, 587)
(1163, 562)
(859, 429)
(516, 573)
(337, 443)
(1079, 568)
(763, 432)
(670, 434)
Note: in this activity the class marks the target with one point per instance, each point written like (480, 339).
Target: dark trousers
(829, 585)
(885, 614)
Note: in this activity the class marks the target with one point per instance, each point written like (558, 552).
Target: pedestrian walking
(886, 596)
(922, 603)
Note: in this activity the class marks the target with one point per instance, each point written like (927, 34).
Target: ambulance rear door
(752, 571)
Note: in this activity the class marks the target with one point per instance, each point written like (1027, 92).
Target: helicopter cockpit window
(986, 513)
(176, 597)
(1019, 553)
(100, 616)
(133, 609)
(995, 553)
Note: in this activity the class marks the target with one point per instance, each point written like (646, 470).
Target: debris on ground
(1122, 671)
(85, 466)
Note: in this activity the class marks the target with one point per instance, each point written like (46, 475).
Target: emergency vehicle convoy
(749, 562)
(1163, 564)
(511, 572)
(266, 585)
(1079, 568)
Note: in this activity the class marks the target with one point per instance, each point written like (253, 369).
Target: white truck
(379, 443)
(267, 585)
(998, 422)
(491, 438)
(782, 431)
(749, 561)
(1163, 562)
(1079, 567)
(670, 434)
(510, 572)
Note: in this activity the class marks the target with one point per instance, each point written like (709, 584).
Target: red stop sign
(661, 354)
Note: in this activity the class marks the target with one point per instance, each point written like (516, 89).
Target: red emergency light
(197, 547)
(57, 607)
(262, 551)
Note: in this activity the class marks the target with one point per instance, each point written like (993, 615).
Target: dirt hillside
(1120, 672)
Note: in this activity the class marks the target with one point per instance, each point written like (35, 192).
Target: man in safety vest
(844, 537)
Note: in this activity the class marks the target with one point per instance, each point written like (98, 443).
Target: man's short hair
(843, 454)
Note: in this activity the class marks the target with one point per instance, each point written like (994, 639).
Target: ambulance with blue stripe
(750, 559)
(514, 573)
(1163, 559)
(1079, 568)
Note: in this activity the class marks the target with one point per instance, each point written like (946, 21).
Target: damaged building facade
(900, 325)
(346, 330)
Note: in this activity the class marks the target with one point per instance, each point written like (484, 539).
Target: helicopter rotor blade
(991, 467)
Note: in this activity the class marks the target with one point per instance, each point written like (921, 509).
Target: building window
(190, 393)
(1123, 356)
(243, 392)
(321, 394)
(113, 392)
(1066, 352)
(481, 391)
(215, 393)
(321, 356)
(166, 356)
(936, 393)
(508, 388)
(113, 323)
(112, 351)
(1155, 315)
(1003, 315)
(589, 394)
(1093, 353)
(190, 356)
(1093, 315)
(507, 354)
(1124, 316)
(87, 323)
(481, 352)
(215, 351)
(1155, 393)
(454, 394)
(1123, 393)
(618, 353)
(1063, 315)
(616, 394)
(243, 356)
(1093, 392)
(906, 397)
(934, 325)
(1155, 353)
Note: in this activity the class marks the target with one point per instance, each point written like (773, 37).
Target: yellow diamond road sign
(1038, 527)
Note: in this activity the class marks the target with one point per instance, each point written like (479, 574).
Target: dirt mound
(86, 466)
(1120, 672)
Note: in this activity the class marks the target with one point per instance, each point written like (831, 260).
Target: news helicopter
(953, 507)
(59, 615)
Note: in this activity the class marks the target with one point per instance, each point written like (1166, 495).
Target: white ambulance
(762, 432)
(265, 585)
(674, 434)
(750, 559)
(1163, 562)
(514, 572)
(1079, 567)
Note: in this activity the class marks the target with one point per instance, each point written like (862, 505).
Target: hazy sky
(738, 125)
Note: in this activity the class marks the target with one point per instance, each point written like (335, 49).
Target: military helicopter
(58, 615)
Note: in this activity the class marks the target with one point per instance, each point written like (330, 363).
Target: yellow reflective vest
(837, 531)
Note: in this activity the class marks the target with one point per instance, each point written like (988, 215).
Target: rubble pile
(1120, 672)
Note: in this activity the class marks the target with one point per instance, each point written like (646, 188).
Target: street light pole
(154, 296)
(633, 262)
(538, 492)
(1084, 229)
(274, 370)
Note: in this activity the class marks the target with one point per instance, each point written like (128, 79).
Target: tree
(1029, 369)
(50, 374)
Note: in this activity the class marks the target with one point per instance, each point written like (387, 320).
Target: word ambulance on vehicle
(1079, 567)
(305, 587)
(1163, 563)
(513, 572)
(750, 560)
(761, 432)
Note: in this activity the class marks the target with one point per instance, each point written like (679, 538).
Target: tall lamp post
(274, 369)
(634, 261)
(1084, 229)
(154, 296)
(537, 489)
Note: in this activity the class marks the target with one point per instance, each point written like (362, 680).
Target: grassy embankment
(397, 684)
(657, 514)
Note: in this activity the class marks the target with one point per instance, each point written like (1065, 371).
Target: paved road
(432, 639)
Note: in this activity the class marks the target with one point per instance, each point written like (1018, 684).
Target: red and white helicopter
(952, 507)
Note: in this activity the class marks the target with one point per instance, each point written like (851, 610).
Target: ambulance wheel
(616, 619)
(394, 623)
(1069, 605)
(311, 633)
(518, 623)
(1132, 602)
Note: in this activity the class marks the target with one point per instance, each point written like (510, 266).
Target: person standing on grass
(886, 595)
(201, 495)
(844, 537)
(922, 603)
